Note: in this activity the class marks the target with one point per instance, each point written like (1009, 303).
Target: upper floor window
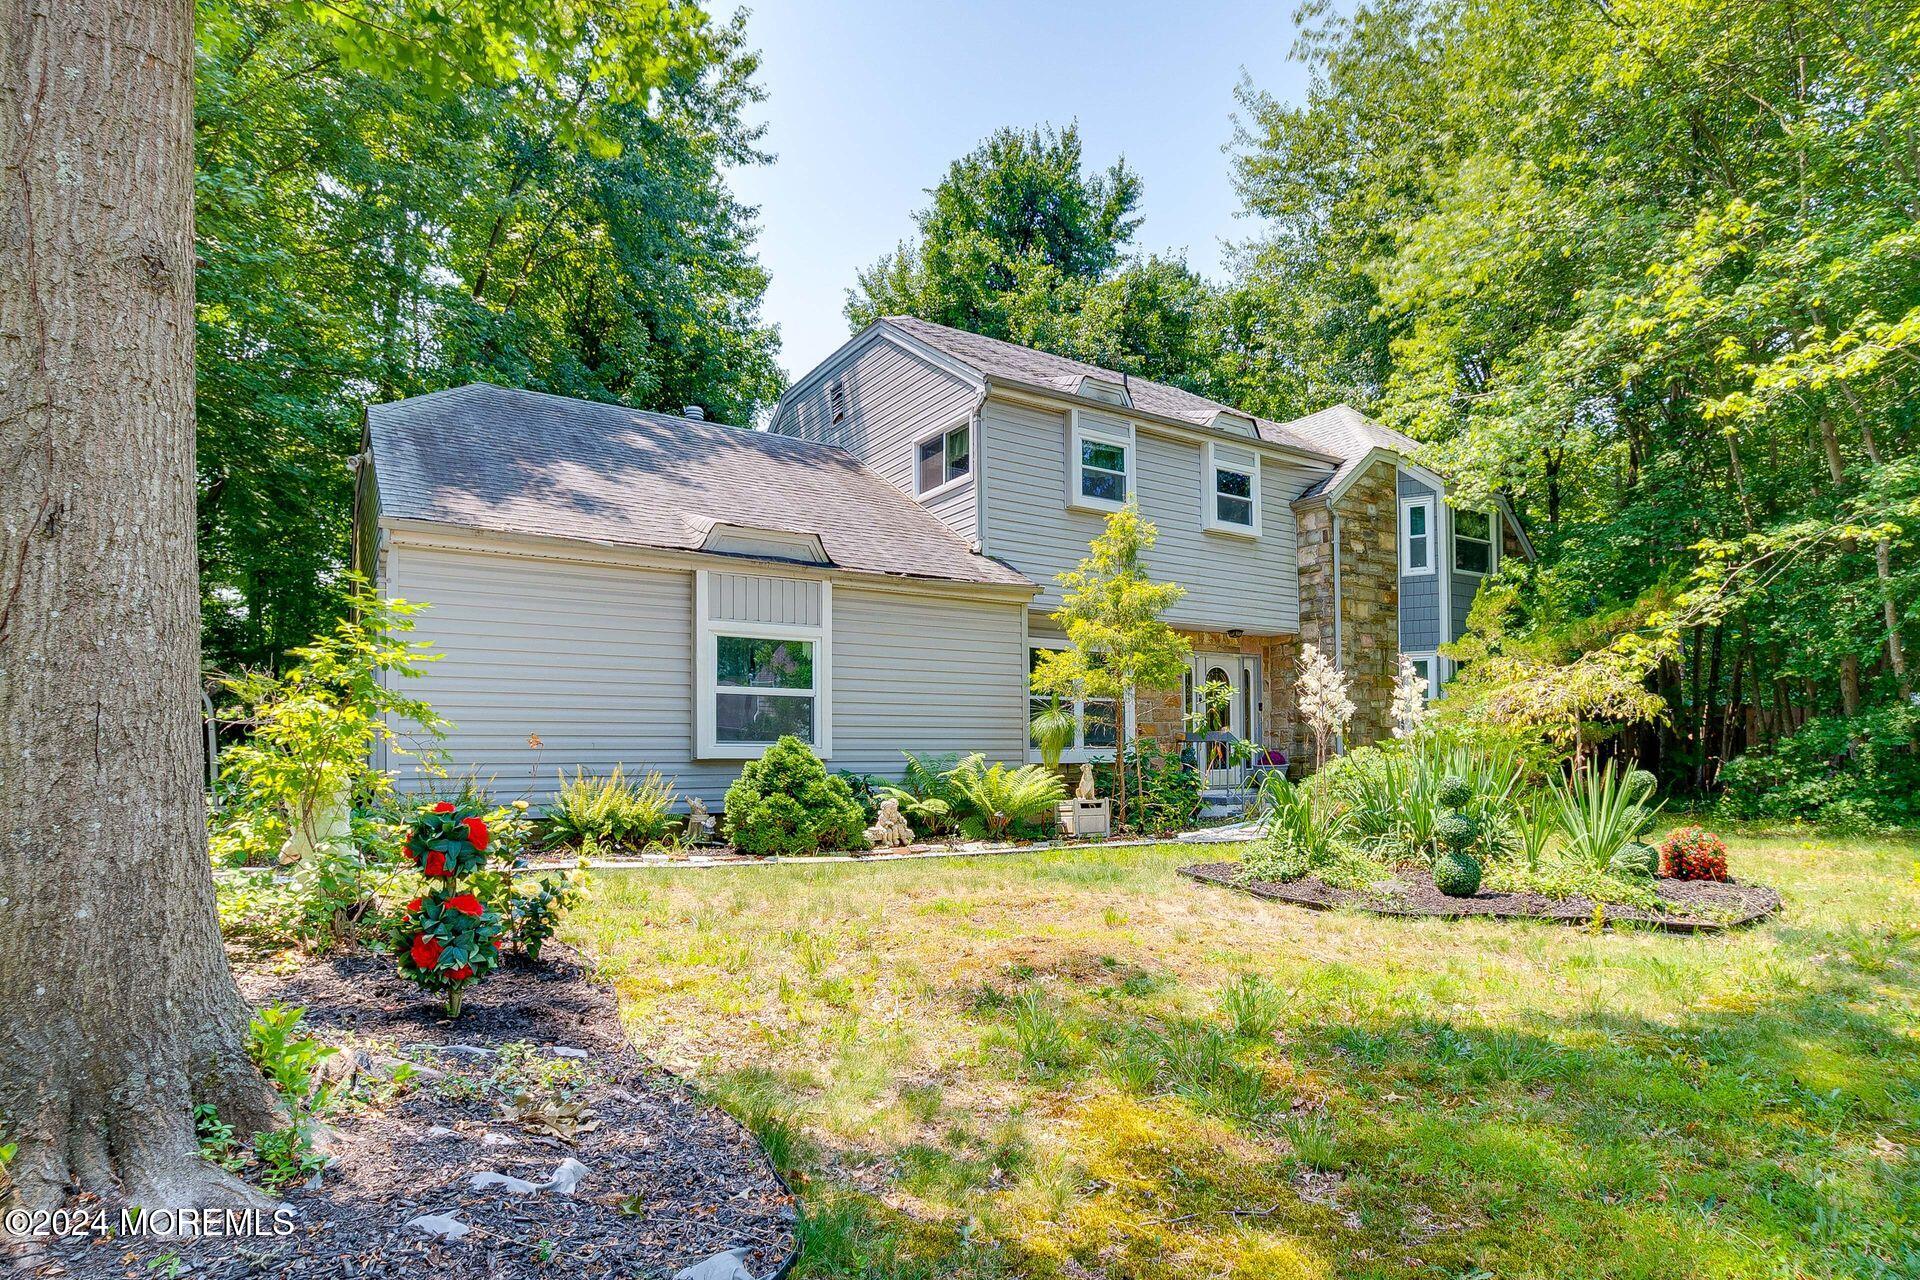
(1101, 474)
(1232, 497)
(943, 459)
(1472, 542)
(1416, 537)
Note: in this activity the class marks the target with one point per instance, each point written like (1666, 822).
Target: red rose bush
(447, 938)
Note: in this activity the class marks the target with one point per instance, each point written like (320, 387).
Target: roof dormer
(1105, 390)
(1238, 424)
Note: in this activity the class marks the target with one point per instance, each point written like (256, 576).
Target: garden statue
(889, 830)
(1085, 791)
(699, 828)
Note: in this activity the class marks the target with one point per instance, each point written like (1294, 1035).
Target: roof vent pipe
(695, 412)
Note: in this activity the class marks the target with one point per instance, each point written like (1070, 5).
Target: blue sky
(869, 101)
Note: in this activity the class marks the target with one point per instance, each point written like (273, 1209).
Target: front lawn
(1078, 1064)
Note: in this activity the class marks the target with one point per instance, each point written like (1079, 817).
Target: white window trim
(1077, 433)
(1432, 659)
(1210, 496)
(1079, 752)
(1406, 539)
(1493, 546)
(941, 434)
(706, 663)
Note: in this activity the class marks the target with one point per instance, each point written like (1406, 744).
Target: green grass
(1077, 1064)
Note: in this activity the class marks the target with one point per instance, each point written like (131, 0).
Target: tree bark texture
(117, 1009)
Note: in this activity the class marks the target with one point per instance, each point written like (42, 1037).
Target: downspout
(1339, 650)
(977, 427)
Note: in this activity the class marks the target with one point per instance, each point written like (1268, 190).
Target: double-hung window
(943, 459)
(1416, 537)
(1096, 723)
(1231, 502)
(757, 682)
(1473, 542)
(1100, 471)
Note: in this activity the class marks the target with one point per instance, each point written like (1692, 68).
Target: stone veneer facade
(1369, 552)
(1369, 628)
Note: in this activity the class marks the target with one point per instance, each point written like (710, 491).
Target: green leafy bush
(1454, 791)
(787, 802)
(1167, 791)
(1861, 774)
(996, 802)
(1456, 832)
(1457, 874)
(536, 907)
(610, 810)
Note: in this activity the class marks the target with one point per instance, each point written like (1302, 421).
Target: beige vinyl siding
(597, 660)
(1231, 581)
(892, 398)
(923, 674)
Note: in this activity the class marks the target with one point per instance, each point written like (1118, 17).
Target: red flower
(461, 974)
(445, 806)
(477, 832)
(465, 903)
(413, 908)
(426, 951)
(496, 944)
(436, 863)
(406, 851)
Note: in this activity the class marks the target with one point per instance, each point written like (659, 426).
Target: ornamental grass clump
(447, 938)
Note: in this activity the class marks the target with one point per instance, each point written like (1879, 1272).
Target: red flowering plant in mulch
(447, 939)
(1692, 853)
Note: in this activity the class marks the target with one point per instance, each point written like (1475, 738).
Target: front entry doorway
(1222, 718)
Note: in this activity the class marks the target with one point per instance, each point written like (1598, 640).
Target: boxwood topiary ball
(1457, 875)
(1634, 860)
(1454, 791)
(1455, 831)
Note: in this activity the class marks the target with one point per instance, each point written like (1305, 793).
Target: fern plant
(995, 799)
(1053, 732)
(610, 810)
(1602, 810)
(926, 795)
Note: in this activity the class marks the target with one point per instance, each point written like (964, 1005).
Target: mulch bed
(1697, 906)
(670, 1181)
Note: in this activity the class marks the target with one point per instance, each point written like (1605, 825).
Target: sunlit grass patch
(1075, 1063)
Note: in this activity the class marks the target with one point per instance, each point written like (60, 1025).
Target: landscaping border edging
(911, 853)
(1315, 895)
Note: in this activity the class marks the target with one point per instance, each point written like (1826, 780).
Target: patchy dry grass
(1079, 1065)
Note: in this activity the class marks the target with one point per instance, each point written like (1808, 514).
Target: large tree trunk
(117, 1009)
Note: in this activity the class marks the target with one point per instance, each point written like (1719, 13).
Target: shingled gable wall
(1369, 592)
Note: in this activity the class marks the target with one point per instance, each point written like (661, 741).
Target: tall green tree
(1021, 240)
(374, 222)
(1646, 270)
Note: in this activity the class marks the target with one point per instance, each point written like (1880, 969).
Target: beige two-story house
(876, 571)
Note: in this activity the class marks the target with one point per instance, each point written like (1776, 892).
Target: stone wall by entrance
(1159, 713)
(1369, 552)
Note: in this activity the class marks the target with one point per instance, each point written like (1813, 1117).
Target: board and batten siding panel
(1420, 593)
(753, 597)
(597, 660)
(891, 399)
(1249, 583)
(925, 674)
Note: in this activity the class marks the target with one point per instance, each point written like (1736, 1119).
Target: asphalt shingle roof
(997, 359)
(1345, 431)
(494, 458)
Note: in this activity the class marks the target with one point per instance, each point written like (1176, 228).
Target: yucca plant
(1601, 811)
(994, 799)
(610, 809)
(1534, 826)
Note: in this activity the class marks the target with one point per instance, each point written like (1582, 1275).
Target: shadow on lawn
(1766, 1134)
